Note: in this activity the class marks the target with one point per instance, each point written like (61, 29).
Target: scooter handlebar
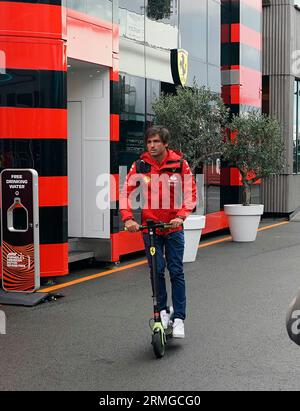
(163, 226)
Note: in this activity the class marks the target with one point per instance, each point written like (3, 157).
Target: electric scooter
(159, 334)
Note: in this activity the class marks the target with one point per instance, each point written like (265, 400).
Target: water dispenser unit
(20, 230)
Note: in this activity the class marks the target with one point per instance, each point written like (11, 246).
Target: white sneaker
(178, 328)
(165, 318)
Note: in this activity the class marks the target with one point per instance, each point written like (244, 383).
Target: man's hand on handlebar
(176, 222)
(132, 226)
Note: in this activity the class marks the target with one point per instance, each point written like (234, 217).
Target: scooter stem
(152, 236)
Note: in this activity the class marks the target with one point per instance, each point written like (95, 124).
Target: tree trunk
(246, 193)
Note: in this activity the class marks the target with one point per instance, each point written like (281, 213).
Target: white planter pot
(193, 226)
(243, 221)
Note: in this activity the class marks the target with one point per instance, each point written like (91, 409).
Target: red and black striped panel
(241, 55)
(36, 18)
(33, 114)
(241, 52)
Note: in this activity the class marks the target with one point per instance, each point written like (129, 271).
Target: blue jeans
(173, 247)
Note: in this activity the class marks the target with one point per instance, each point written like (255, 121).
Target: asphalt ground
(97, 337)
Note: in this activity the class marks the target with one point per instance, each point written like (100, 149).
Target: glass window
(100, 8)
(78, 5)
(131, 20)
(153, 92)
(212, 182)
(162, 24)
(132, 118)
(193, 28)
(214, 78)
(197, 71)
(32, 89)
(137, 6)
(214, 32)
(137, 96)
(97, 8)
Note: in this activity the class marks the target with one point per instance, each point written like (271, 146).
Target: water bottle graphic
(17, 216)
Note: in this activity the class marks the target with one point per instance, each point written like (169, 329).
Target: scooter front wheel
(158, 345)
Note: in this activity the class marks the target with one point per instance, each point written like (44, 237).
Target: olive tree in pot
(254, 145)
(195, 117)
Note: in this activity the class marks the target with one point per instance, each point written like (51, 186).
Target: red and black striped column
(33, 113)
(241, 61)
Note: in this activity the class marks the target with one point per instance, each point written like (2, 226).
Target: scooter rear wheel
(158, 346)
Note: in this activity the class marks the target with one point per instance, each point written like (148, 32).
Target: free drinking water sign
(20, 230)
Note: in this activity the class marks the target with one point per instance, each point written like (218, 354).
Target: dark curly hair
(163, 133)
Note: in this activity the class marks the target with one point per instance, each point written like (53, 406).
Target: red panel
(125, 243)
(114, 127)
(26, 53)
(235, 94)
(231, 67)
(28, 19)
(250, 37)
(53, 191)
(231, 94)
(33, 123)
(225, 33)
(226, 94)
(235, 177)
(215, 222)
(251, 90)
(98, 38)
(235, 33)
(225, 176)
(245, 35)
(54, 260)
(230, 176)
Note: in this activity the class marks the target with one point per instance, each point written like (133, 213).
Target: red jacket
(174, 195)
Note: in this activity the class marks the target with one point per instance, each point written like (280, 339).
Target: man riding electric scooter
(161, 174)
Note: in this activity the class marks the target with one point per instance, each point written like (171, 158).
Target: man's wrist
(181, 217)
(128, 219)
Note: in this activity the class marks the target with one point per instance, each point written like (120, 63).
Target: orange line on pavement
(222, 240)
(274, 225)
(91, 277)
(143, 262)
